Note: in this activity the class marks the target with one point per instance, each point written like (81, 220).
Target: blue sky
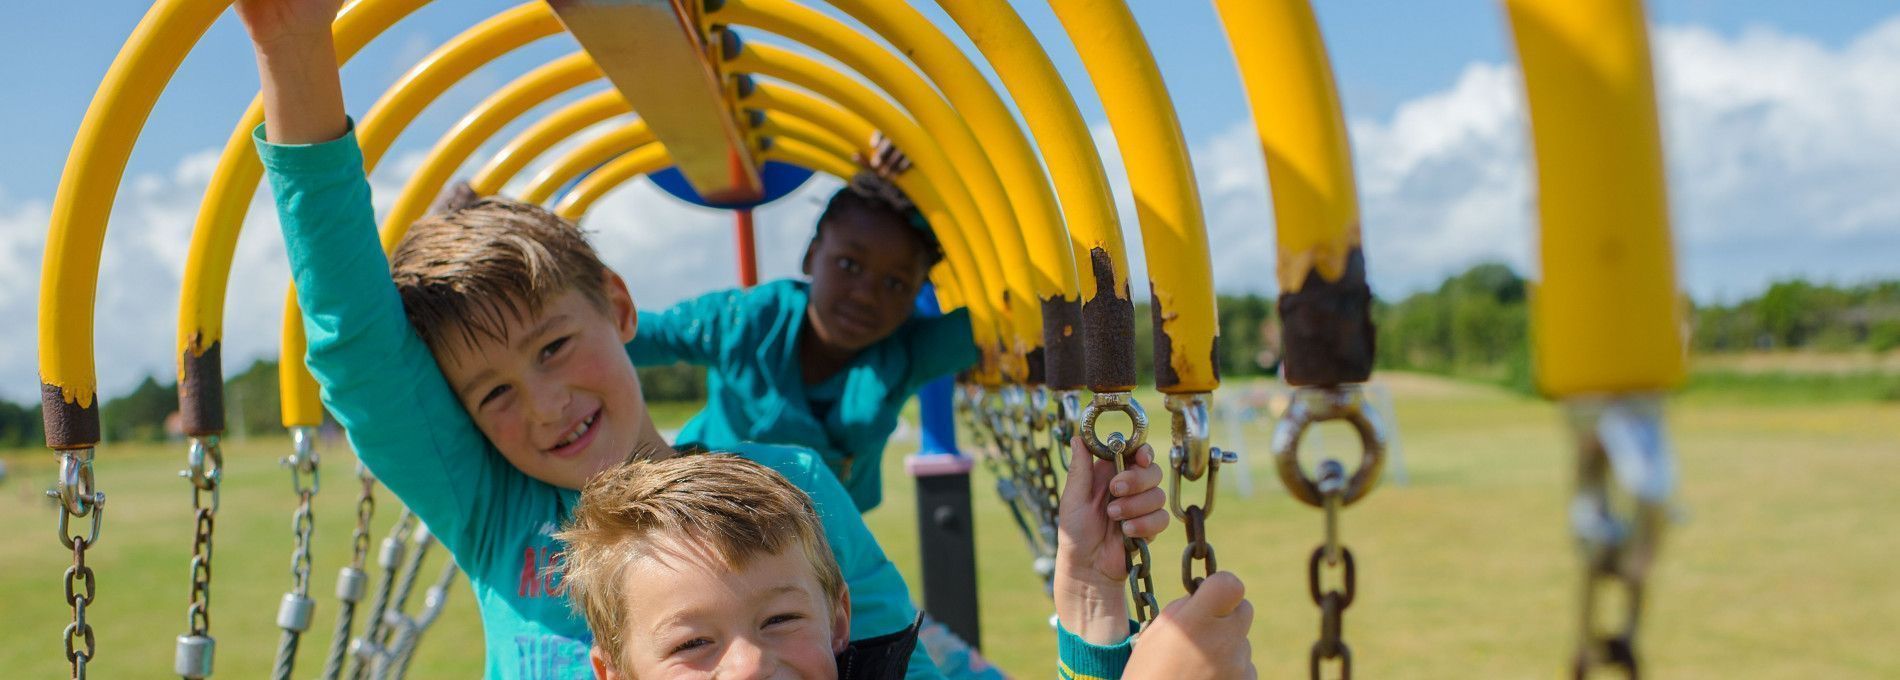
(1781, 117)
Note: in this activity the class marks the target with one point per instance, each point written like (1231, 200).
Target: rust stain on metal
(68, 425)
(1165, 375)
(1036, 370)
(1108, 322)
(201, 389)
(1061, 318)
(1327, 328)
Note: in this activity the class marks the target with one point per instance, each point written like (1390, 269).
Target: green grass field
(1782, 565)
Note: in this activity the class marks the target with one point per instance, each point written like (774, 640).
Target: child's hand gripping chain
(1203, 635)
(1100, 508)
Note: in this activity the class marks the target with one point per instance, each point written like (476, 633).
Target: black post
(946, 534)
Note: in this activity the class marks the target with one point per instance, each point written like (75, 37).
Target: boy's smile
(558, 396)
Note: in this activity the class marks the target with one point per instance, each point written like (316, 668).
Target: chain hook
(303, 459)
(1622, 452)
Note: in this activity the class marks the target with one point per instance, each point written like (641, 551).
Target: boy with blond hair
(481, 372)
(716, 568)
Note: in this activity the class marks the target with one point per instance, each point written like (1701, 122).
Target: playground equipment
(1034, 251)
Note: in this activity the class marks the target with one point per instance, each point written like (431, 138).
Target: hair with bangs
(474, 271)
(740, 509)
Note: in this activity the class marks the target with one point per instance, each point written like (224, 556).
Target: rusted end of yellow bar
(1325, 304)
(654, 53)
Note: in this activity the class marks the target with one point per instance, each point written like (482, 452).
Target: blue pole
(934, 409)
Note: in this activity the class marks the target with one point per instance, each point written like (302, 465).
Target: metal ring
(1114, 401)
(1320, 404)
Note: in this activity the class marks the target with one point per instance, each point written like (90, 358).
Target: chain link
(204, 469)
(1625, 479)
(1332, 490)
(352, 580)
(77, 498)
(1192, 458)
(296, 609)
(1121, 448)
(1330, 553)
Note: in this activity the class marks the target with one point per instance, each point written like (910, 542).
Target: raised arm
(296, 64)
(361, 347)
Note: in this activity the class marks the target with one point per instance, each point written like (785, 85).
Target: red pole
(748, 255)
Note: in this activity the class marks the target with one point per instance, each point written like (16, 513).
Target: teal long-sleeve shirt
(755, 390)
(382, 384)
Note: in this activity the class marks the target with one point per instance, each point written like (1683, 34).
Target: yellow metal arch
(1325, 303)
(1180, 272)
(1606, 317)
(929, 157)
(1015, 175)
(481, 123)
(588, 155)
(647, 158)
(69, 271)
(378, 129)
(1075, 165)
(780, 127)
(220, 217)
(544, 134)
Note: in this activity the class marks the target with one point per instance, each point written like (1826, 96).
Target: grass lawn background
(1782, 566)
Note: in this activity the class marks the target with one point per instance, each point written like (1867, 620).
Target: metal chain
(396, 664)
(1620, 439)
(78, 498)
(1047, 427)
(390, 558)
(1333, 602)
(204, 470)
(1121, 448)
(294, 612)
(412, 569)
(1192, 458)
(351, 581)
(1331, 491)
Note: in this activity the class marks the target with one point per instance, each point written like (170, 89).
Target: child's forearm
(303, 97)
(1093, 610)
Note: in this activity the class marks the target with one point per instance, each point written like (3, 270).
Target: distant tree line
(1474, 324)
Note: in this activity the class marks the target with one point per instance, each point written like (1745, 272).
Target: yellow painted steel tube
(977, 274)
(1325, 303)
(481, 123)
(587, 156)
(957, 256)
(839, 120)
(781, 126)
(636, 162)
(69, 271)
(221, 215)
(1180, 271)
(995, 168)
(379, 128)
(1289, 82)
(1067, 147)
(544, 134)
(929, 157)
(1606, 316)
